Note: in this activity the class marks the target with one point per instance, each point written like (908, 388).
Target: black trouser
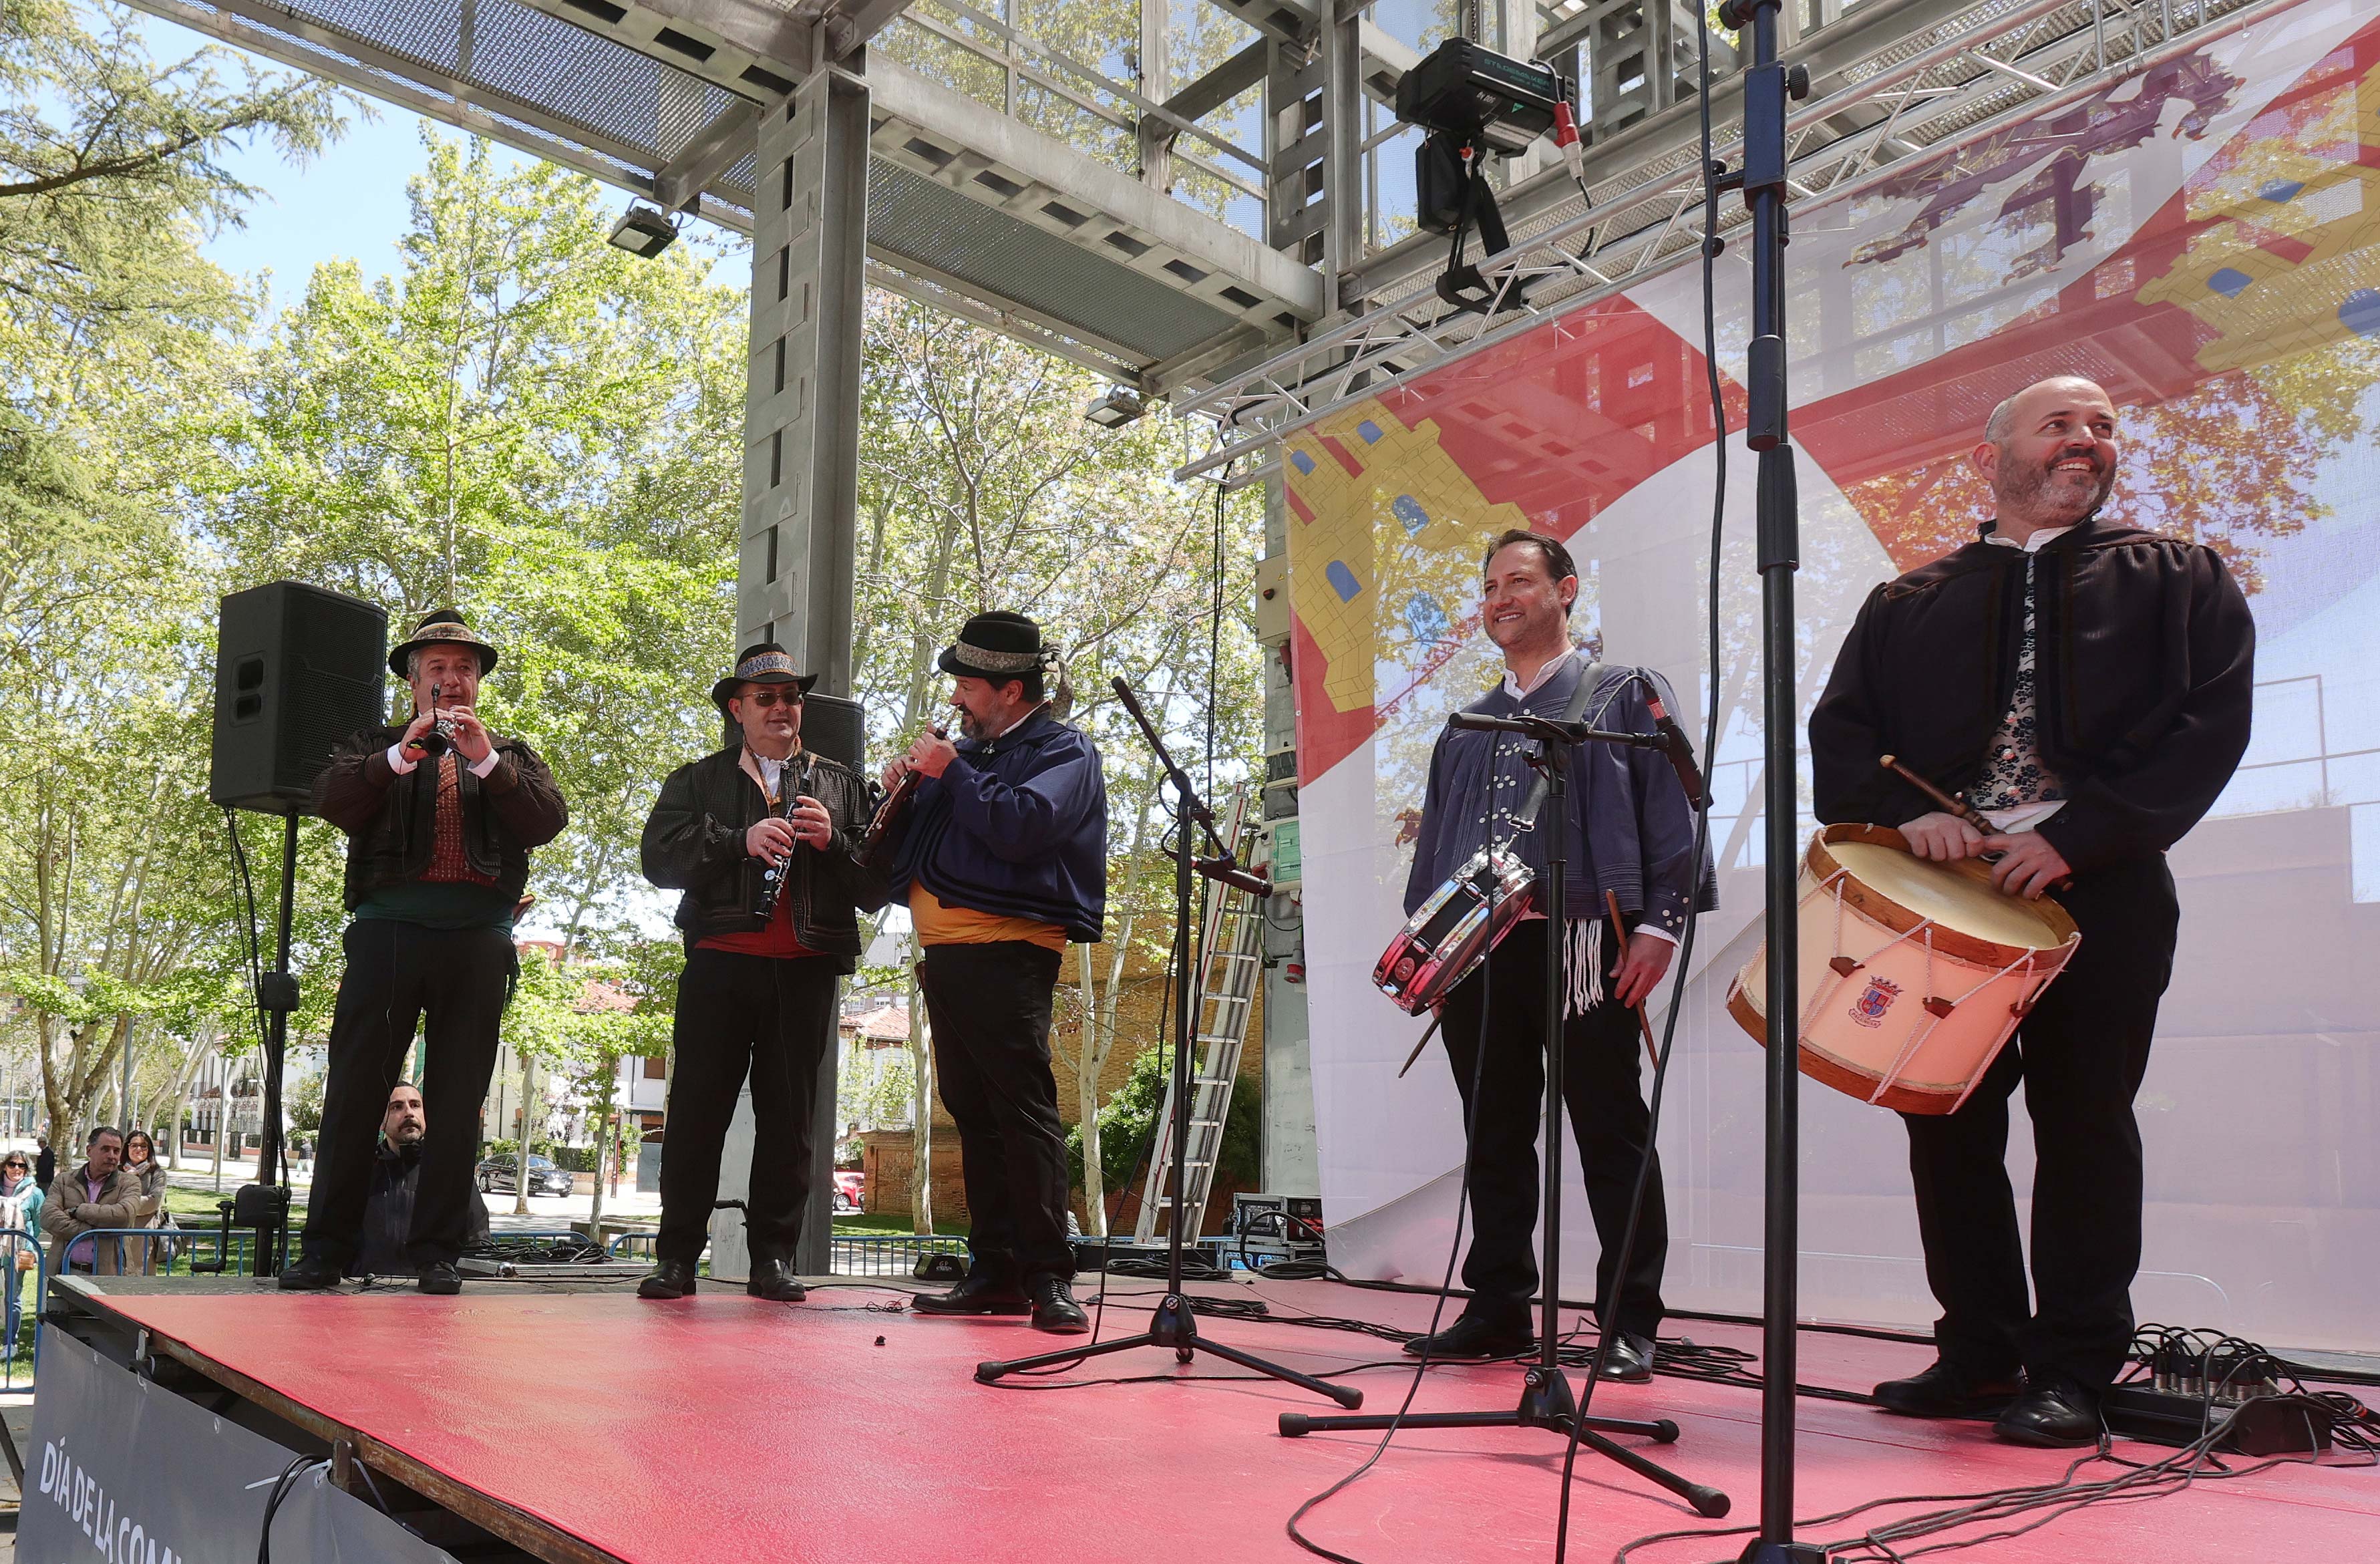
(2080, 1054)
(990, 1005)
(454, 982)
(1607, 1114)
(772, 1019)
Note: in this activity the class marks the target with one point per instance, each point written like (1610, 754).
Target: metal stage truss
(1921, 92)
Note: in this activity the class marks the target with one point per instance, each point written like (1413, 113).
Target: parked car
(850, 1190)
(544, 1178)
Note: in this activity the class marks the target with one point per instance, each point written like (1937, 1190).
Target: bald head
(2049, 454)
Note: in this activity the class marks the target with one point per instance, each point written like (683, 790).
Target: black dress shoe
(2057, 1415)
(1475, 1337)
(774, 1280)
(670, 1279)
(1944, 1390)
(441, 1279)
(1631, 1361)
(313, 1274)
(1054, 1309)
(976, 1295)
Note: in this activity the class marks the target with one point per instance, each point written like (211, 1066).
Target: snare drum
(1913, 973)
(1452, 933)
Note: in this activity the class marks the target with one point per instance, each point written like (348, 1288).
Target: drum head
(1952, 897)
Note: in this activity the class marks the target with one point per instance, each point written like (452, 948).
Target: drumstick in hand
(1957, 807)
(1427, 1033)
(1620, 930)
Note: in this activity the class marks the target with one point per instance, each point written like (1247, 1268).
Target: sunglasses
(766, 699)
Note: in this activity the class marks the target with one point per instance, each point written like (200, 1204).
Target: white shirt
(1513, 687)
(2026, 817)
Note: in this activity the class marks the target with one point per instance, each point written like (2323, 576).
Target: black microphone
(1678, 748)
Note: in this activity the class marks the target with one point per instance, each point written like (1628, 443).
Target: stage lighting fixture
(644, 230)
(1473, 103)
(1120, 407)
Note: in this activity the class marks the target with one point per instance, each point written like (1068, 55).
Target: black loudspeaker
(832, 725)
(297, 670)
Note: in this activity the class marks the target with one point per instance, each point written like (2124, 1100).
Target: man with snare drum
(1630, 834)
(2086, 686)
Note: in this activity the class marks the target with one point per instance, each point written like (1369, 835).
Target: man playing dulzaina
(1002, 860)
(1632, 835)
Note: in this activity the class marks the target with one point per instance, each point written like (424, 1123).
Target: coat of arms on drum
(1873, 1001)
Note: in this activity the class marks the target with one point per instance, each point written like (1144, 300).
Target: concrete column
(801, 483)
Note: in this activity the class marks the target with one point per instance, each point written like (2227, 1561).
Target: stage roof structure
(1203, 200)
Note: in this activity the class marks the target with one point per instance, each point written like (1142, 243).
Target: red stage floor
(723, 1427)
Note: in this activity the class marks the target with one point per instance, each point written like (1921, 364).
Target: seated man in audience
(396, 1172)
(98, 1196)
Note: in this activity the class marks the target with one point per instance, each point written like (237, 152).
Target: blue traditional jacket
(1629, 830)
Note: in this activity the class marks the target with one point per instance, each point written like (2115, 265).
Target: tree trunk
(603, 1153)
(520, 1152)
(921, 1114)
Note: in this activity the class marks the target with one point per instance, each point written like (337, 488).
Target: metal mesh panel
(1006, 258)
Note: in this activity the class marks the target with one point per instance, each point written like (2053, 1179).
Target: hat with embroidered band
(767, 663)
(440, 624)
(1000, 647)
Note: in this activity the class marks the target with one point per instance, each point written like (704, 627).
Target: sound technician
(440, 816)
(1002, 858)
(1631, 833)
(763, 822)
(2087, 686)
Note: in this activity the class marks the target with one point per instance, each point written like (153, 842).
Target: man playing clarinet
(2086, 686)
(1630, 834)
(758, 837)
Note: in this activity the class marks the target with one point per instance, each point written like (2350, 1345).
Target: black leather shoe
(976, 1295)
(1054, 1309)
(313, 1274)
(2057, 1415)
(441, 1279)
(1945, 1391)
(1631, 1362)
(670, 1279)
(774, 1280)
(1474, 1336)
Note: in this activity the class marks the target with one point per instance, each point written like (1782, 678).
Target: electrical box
(1272, 601)
(1278, 841)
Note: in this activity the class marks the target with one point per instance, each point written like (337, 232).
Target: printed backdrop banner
(123, 1473)
(2203, 237)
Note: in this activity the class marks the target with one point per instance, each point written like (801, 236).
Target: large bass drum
(1463, 919)
(1913, 973)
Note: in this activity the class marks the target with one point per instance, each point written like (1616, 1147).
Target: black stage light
(644, 230)
(1473, 103)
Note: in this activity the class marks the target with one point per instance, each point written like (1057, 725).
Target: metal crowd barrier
(17, 1316)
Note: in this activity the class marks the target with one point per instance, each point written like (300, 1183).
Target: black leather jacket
(390, 821)
(694, 842)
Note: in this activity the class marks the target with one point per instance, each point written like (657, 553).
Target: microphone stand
(1173, 1324)
(1766, 85)
(1546, 1398)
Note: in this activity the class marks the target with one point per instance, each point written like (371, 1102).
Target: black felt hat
(767, 663)
(999, 646)
(441, 624)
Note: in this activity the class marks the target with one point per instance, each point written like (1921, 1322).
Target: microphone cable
(1607, 1332)
(1462, 1199)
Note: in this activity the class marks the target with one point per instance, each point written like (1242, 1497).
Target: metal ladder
(1233, 952)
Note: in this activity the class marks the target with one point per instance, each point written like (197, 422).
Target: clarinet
(773, 879)
(440, 736)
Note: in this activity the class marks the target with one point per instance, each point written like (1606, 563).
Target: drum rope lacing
(1917, 1037)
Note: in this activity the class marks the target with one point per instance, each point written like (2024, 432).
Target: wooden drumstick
(1958, 806)
(1427, 1033)
(1620, 929)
